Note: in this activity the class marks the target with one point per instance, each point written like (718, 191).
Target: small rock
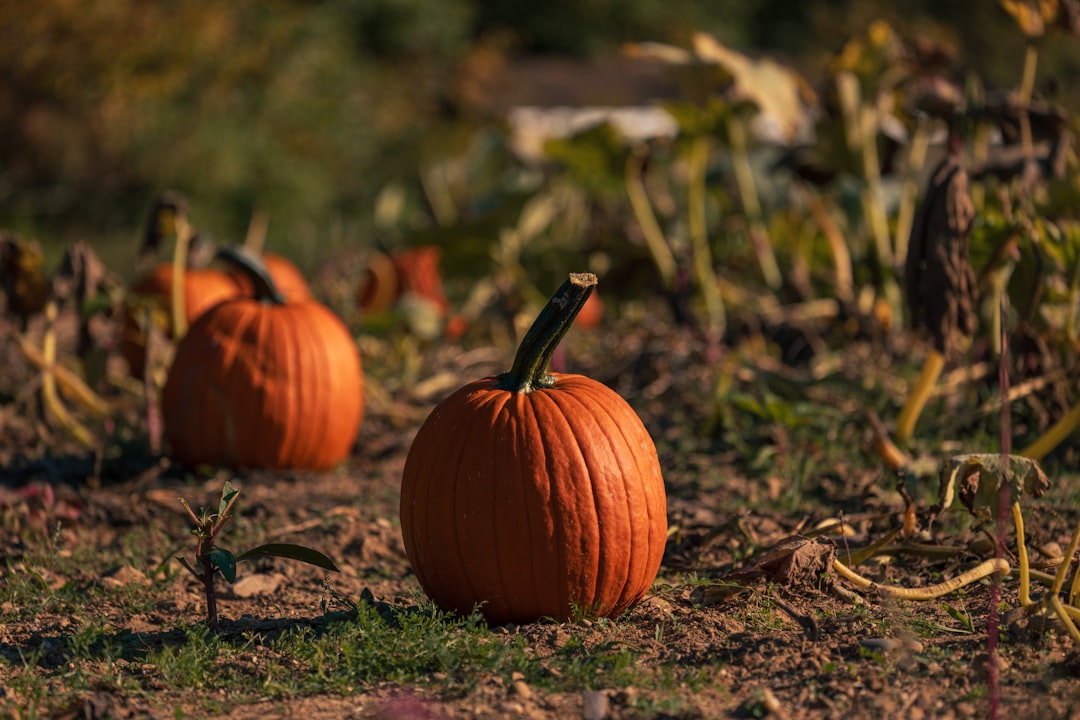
(880, 645)
(595, 705)
(521, 689)
(256, 585)
(965, 709)
(123, 576)
(769, 702)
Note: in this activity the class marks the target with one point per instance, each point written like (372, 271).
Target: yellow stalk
(920, 142)
(994, 566)
(842, 274)
(699, 241)
(650, 228)
(48, 382)
(70, 384)
(744, 180)
(917, 398)
(1061, 610)
(1066, 563)
(184, 234)
(1022, 556)
(1053, 435)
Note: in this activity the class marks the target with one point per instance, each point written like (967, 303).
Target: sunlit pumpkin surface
(260, 385)
(539, 504)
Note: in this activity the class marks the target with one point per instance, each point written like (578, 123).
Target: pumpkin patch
(532, 494)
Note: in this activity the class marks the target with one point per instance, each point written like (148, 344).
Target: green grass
(338, 653)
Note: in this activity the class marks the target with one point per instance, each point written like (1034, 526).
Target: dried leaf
(22, 277)
(161, 224)
(80, 279)
(976, 480)
(793, 562)
(940, 282)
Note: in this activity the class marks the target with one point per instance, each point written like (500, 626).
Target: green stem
(253, 266)
(533, 359)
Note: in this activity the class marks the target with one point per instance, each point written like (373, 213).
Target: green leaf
(226, 562)
(292, 552)
(228, 492)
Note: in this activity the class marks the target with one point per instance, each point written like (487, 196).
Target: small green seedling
(211, 558)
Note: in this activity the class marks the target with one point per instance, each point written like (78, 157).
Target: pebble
(521, 689)
(595, 705)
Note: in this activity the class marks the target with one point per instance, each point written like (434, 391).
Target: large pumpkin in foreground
(532, 495)
(263, 382)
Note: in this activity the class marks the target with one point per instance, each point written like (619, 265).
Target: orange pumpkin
(203, 288)
(591, 313)
(387, 278)
(263, 382)
(530, 494)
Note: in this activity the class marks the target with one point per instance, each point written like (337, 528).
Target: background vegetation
(310, 109)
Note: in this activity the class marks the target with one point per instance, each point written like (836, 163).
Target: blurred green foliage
(310, 109)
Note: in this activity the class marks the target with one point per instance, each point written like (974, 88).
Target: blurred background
(325, 114)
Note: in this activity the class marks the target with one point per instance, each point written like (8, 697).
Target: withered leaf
(160, 224)
(792, 562)
(22, 277)
(939, 280)
(79, 279)
(976, 480)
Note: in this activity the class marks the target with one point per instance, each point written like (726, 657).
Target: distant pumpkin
(410, 281)
(203, 288)
(264, 382)
(152, 296)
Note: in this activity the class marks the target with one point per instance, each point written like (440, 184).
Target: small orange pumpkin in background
(409, 281)
(592, 313)
(389, 277)
(263, 382)
(530, 494)
(203, 288)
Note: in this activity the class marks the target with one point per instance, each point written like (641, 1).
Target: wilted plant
(210, 558)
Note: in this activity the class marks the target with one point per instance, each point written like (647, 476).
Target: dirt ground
(789, 644)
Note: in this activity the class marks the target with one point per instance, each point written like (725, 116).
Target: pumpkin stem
(533, 359)
(253, 266)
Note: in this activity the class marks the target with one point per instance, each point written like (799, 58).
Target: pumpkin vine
(263, 286)
(533, 360)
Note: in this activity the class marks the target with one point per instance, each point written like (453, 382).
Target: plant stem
(533, 359)
(916, 400)
(920, 142)
(184, 234)
(208, 585)
(1053, 436)
(699, 241)
(744, 180)
(650, 228)
(994, 566)
(262, 283)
